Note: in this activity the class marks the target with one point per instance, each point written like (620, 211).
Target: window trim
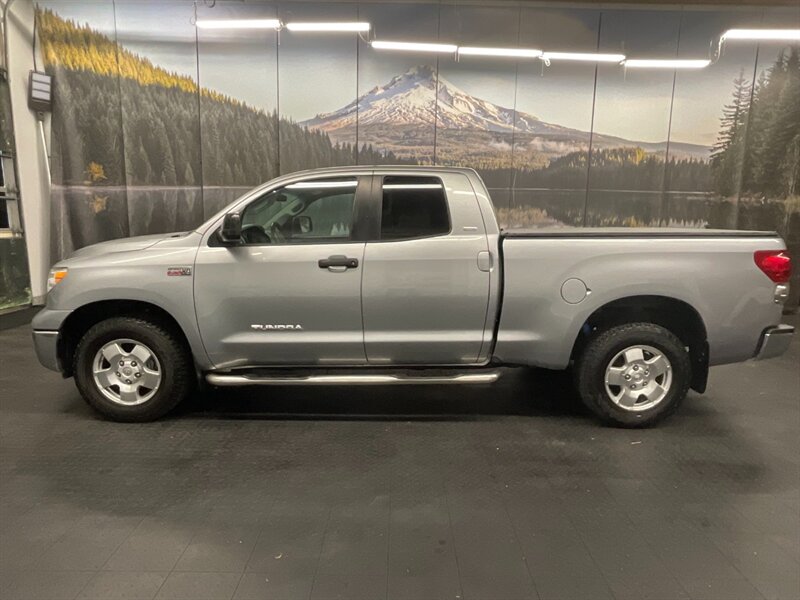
(379, 208)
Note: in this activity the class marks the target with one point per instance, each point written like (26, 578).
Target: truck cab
(357, 267)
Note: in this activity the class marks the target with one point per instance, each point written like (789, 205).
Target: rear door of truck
(426, 279)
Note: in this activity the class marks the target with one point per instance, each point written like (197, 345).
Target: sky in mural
(318, 74)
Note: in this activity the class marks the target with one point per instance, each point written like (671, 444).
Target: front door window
(318, 211)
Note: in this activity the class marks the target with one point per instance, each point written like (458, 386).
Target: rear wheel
(633, 375)
(131, 369)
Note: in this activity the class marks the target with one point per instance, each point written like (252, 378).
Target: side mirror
(231, 232)
(302, 224)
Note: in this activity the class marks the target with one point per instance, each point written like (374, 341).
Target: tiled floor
(495, 493)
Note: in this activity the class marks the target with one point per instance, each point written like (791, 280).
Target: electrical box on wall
(40, 92)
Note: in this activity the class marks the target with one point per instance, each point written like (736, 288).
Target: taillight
(776, 264)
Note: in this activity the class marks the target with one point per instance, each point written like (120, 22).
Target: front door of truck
(424, 293)
(290, 294)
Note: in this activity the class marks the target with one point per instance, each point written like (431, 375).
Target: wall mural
(158, 124)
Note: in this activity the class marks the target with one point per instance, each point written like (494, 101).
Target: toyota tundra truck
(401, 275)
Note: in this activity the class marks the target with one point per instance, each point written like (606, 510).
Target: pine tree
(763, 113)
(169, 177)
(726, 154)
(188, 175)
(778, 168)
(759, 116)
(140, 168)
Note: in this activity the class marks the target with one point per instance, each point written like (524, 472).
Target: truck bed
(710, 270)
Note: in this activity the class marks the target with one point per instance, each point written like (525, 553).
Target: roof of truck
(361, 168)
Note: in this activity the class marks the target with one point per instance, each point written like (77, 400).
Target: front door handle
(338, 263)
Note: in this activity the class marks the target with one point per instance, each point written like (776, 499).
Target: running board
(229, 380)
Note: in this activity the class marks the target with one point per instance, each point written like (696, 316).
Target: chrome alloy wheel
(126, 372)
(638, 378)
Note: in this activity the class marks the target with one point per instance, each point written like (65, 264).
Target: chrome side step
(230, 380)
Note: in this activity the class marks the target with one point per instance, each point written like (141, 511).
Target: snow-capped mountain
(411, 99)
(399, 116)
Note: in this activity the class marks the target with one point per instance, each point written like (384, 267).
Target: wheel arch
(83, 318)
(678, 316)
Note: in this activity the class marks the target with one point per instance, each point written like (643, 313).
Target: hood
(124, 245)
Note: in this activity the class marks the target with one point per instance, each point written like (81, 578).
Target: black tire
(177, 369)
(604, 346)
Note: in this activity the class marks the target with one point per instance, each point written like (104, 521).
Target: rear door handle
(338, 262)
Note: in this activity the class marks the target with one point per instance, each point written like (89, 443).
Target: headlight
(55, 277)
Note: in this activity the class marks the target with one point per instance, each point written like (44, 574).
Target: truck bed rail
(633, 232)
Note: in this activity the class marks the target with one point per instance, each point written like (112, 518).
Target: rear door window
(413, 207)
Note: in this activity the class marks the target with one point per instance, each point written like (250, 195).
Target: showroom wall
(159, 124)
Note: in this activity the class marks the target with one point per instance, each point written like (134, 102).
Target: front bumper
(46, 326)
(46, 345)
(774, 341)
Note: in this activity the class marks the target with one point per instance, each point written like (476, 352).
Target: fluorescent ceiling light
(414, 46)
(328, 26)
(238, 23)
(517, 52)
(583, 56)
(762, 34)
(659, 63)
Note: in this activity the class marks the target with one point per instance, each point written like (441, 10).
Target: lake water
(83, 215)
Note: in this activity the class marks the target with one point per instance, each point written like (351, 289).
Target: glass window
(413, 207)
(5, 199)
(317, 211)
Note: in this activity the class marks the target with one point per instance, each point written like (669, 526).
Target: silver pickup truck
(401, 275)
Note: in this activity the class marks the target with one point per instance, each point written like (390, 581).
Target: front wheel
(131, 369)
(633, 375)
